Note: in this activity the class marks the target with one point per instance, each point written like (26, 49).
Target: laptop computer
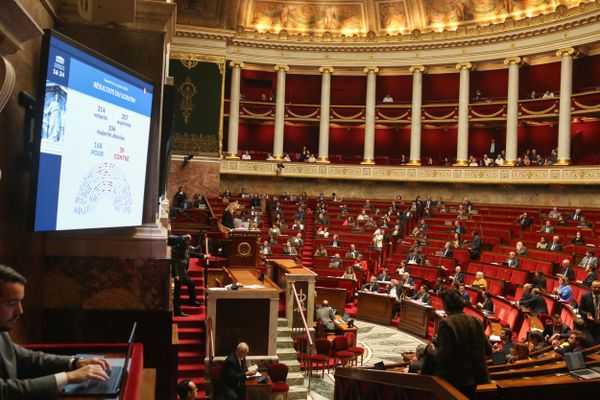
(499, 358)
(577, 368)
(109, 388)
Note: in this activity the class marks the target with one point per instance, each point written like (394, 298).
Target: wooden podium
(415, 317)
(243, 249)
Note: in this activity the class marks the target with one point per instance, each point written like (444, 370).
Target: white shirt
(246, 157)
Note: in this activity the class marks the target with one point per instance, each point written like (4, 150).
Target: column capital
(371, 69)
(326, 68)
(281, 67)
(513, 60)
(464, 65)
(567, 51)
(234, 64)
(414, 68)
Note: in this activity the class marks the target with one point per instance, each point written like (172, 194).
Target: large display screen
(93, 132)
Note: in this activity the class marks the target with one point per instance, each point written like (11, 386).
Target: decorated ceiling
(349, 17)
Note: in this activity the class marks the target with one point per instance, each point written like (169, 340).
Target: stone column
(234, 109)
(462, 145)
(564, 117)
(512, 110)
(326, 72)
(369, 147)
(279, 111)
(415, 125)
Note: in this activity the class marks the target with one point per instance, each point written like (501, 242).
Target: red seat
(323, 351)
(340, 351)
(278, 373)
(357, 350)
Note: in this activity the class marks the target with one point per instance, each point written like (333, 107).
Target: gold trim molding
(464, 65)
(326, 68)
(414, 68)
(192, 59)
(580, 175)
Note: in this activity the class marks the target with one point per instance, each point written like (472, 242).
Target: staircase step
(286, 354)
(191, 357)
(284, 342)
(282, 322)
(293, 365)
(297, 392)
(295, 379)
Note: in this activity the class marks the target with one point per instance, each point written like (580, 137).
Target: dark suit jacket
(589, 278)
(371, 287)
(488, 305)
(227, 219)
(459, 277)
(462, 350)
(586, 306)
(28, 374)
(233, 375)
(564, 331)
(568, 272)
(326, 316)
(449, 252)
(555, 247)
(536, 303)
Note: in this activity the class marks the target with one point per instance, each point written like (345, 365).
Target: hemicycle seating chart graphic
(104, 180)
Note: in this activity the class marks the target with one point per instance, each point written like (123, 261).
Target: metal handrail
(305, 346)
(211, 339)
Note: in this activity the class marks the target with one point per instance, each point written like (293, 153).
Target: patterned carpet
(381, 343)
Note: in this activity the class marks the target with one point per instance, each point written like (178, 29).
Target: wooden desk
(336, 297)
(342, 328)
(375, 307)
(258, 391)
(415, 317)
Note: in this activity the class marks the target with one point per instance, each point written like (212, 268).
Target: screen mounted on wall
(93, 131)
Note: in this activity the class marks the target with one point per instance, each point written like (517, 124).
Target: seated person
(555, 245)
(536, 341)
(321, 251)
(186, 389)
(512, 261)
(556, 331)
(326, 316)
(524, 221)
(564, 291)
(393, 289)
(234, 373)
(448, 250)
(371, 286)
(349, 273)
(440, 286)
(298, 225)
(335, 241)
(407, 280)
(352, 252)
(590, 277)
(464, 294)
(554, 213)
(402, 268)
(521, 249)
(384, 276)
(578, 240)
(536, 303)
(539, 281)
(589, 259)
(458, 275)
(486, 303)
(518, 352)
(422, 295)
(336, 261)
(275, 230)
(547, 228)
(542, 244)
(289, 249)
(414, 257)
(580, 327)
(506, 341)
(361, 264)
(480, 281)
(297, 240)
(573, 343)
(265, 249)
(567, 270)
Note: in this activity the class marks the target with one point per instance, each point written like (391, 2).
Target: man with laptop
(33, 374)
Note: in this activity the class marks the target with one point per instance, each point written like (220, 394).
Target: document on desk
(254, 286)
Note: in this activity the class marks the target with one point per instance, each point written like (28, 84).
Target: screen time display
(94, 142)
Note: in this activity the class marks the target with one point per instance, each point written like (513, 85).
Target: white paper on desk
(254, 286)
(256, 375)
(217, 289)
(253, 368)
(494, 338)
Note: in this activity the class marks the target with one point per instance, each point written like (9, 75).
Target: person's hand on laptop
(103, 362)
(87, 372)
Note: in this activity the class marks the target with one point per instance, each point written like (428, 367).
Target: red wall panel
(303, 89)
(399, 87)
(493, 84)
(585, 73)
(256, 83)
(539, 78)
(347, 141)
(441, 87)
(480, 139)
(258, 137)
(297, 136)
(392, 142)
(543, 138)
(438, 143)
(346, 90)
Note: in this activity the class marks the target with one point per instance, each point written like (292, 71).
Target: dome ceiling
(349, 17)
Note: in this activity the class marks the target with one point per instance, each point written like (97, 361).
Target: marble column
(462, 145)
(415, 125)
(369, 146)
(512, 110)
(234, 109)
(279, 111)
(326, 72)
(564, 116)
